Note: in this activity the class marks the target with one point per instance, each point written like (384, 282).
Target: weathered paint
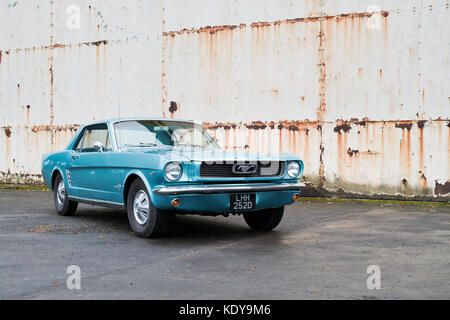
(361, 92)
(366, 108)
(53, 79)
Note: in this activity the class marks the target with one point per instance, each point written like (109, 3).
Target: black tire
(264, 220)
(64, 206)
(156, 223)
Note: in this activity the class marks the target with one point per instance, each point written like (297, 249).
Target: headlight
(293, 169)
(173, 171)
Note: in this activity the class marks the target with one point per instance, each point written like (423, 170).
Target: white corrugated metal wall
(362, 97)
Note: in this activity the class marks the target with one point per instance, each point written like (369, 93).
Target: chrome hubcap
(61, 193)
(141, 207)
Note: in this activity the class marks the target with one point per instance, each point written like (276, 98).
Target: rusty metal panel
(361, 74)
(200, 13)
(434, 60)
(24, 87)
(52, 79)
(369, 72)
(339, 7)
(108, 21)
(358, 90)
(401, 68)
(233, 72)
(102, 80)
(24, 104)
(24, 24)
(387, 157)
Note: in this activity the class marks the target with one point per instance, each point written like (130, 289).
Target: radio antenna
(119, 109)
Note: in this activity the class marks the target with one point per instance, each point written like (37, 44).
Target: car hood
(211, 155)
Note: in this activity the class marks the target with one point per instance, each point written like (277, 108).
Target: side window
(91, 135)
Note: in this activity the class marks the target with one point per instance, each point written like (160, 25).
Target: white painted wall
(258, 79)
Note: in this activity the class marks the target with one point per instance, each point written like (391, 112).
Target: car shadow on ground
(180, 227)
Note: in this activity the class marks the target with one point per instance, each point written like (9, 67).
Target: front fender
(142, 176)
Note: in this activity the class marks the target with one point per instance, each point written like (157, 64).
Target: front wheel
(146, 221)
(264, 220)
(63, 205)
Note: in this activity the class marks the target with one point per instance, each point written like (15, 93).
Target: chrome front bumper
(228, 188)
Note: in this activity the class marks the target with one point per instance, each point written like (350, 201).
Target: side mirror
(99, 147)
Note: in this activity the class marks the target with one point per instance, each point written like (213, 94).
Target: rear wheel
(63, 205)
(264, 220)
(146, 221)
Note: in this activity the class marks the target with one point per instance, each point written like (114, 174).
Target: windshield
(151, 133)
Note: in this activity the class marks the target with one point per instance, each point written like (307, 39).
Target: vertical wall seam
(52, 90)
(321, 110)
(163, 61)
(420, 83)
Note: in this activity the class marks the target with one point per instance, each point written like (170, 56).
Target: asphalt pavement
(321, 250)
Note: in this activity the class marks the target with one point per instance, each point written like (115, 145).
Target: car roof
(116, 120)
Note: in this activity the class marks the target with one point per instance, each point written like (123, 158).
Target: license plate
(242, 202)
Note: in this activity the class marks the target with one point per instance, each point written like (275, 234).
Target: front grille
(225, 170)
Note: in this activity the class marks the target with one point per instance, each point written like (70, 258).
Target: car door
(88, 172)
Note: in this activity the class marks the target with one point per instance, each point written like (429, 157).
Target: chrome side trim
(228, 188)
(101, 203)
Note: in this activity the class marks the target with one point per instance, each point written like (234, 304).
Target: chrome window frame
(80, 139)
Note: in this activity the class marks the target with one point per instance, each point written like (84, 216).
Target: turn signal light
(176, 203)
(295, 197)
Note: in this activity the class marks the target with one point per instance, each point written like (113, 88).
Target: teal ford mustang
(157, 167)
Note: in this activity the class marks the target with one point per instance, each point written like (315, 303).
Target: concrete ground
(321, 250)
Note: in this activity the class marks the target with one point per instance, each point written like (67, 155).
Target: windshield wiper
(188, 145)
(143, 145)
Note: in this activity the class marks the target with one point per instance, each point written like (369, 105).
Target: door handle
(74, 157)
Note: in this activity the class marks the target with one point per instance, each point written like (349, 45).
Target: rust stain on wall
(351, 152)
(442, 188)
(60, 46)
(207, 29)
(20, 178)
(217, 125)
(323, 75)
(173, 108)
(421, 125)
(256, 125)
(261, 125)
(50, 128)
(342, 127)
(264, 24)
(7, 131)
(404, 125)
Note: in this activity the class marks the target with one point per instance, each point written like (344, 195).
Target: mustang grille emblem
(245, 168)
